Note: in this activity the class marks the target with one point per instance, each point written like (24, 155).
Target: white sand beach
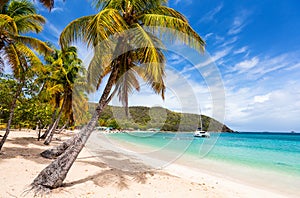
(112, 174)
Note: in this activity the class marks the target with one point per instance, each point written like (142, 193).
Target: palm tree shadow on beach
(121, 170)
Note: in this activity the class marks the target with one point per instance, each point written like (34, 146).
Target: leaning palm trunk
(11, 114)
(55, 124)
(63, 127)
(51, 131)
(44, 136)
(55, 173)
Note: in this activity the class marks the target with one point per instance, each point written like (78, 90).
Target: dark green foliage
(144, 118)
(30, 109)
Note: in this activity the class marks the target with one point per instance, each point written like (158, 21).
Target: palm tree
(126, 38)
(67, 69)
(15, 48)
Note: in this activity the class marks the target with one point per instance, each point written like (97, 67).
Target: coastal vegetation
(16, 48)
(156, 118)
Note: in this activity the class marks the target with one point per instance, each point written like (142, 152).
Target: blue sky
(249, 76)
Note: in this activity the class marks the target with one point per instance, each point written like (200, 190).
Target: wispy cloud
(257, 109)
(263, 94)
(211, 14)
(246, 64)
(239, 22)
(176, 2)
(241, 50)
(209, 60)
(208, 35)
(53, 30)
(229, 42)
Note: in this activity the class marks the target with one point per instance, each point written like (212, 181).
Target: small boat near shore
(200, 133)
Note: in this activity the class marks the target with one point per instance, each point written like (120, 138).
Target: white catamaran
(200, 133)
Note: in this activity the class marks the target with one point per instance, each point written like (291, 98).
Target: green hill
(156, 118)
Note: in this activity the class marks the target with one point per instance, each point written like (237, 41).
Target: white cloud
(241, 50)
(57, 9)
(247, 64)
(229, 42)
(209, 60)
(268, 65)
(262, 99)
(239, 22)
(210, 15)
(53, 30)
(208, 35)
(176, 2)
(277, 110)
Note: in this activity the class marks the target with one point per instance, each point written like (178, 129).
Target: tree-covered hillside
(156, 118)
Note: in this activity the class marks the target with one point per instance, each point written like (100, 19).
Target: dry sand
(100, 176)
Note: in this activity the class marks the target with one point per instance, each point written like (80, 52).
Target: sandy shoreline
(109, 173)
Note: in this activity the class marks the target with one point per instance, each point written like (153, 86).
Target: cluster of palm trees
(57, 75)
(126, 36)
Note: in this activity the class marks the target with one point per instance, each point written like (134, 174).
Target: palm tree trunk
(11, 114)
(55, 173)
(51, 131)
(53, 128)
(51, 125)
(63, 127)
(54, 152)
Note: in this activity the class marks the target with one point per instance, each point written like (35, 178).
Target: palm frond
(100, 4)
(19, 8)
(149, 53)
(166, 11)
(158, 85)
(36, 44)
(100, 64)
(126, 83)
(142, 5)
(8, 23)
(30, 56)
(104, 24)
(12, 57)
(173, 29)
(75, 31)
(30, 23)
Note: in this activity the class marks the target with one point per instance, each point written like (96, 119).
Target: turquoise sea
(279, 152)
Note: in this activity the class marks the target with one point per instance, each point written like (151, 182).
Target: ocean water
(279, 152)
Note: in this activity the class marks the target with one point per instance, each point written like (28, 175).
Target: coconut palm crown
(142, 25)
(14, 47)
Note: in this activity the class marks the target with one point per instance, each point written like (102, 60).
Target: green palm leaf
(36, 44)
(8, 23)
(30, 23)
(175, 29)
(75, 31)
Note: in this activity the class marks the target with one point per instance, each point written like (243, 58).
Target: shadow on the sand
(114, 177)
(32, 154)
(22, 149)
(123, 170)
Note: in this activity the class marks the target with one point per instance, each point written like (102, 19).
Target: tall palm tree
(67, 68)
(15, 48)
(126, 38)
